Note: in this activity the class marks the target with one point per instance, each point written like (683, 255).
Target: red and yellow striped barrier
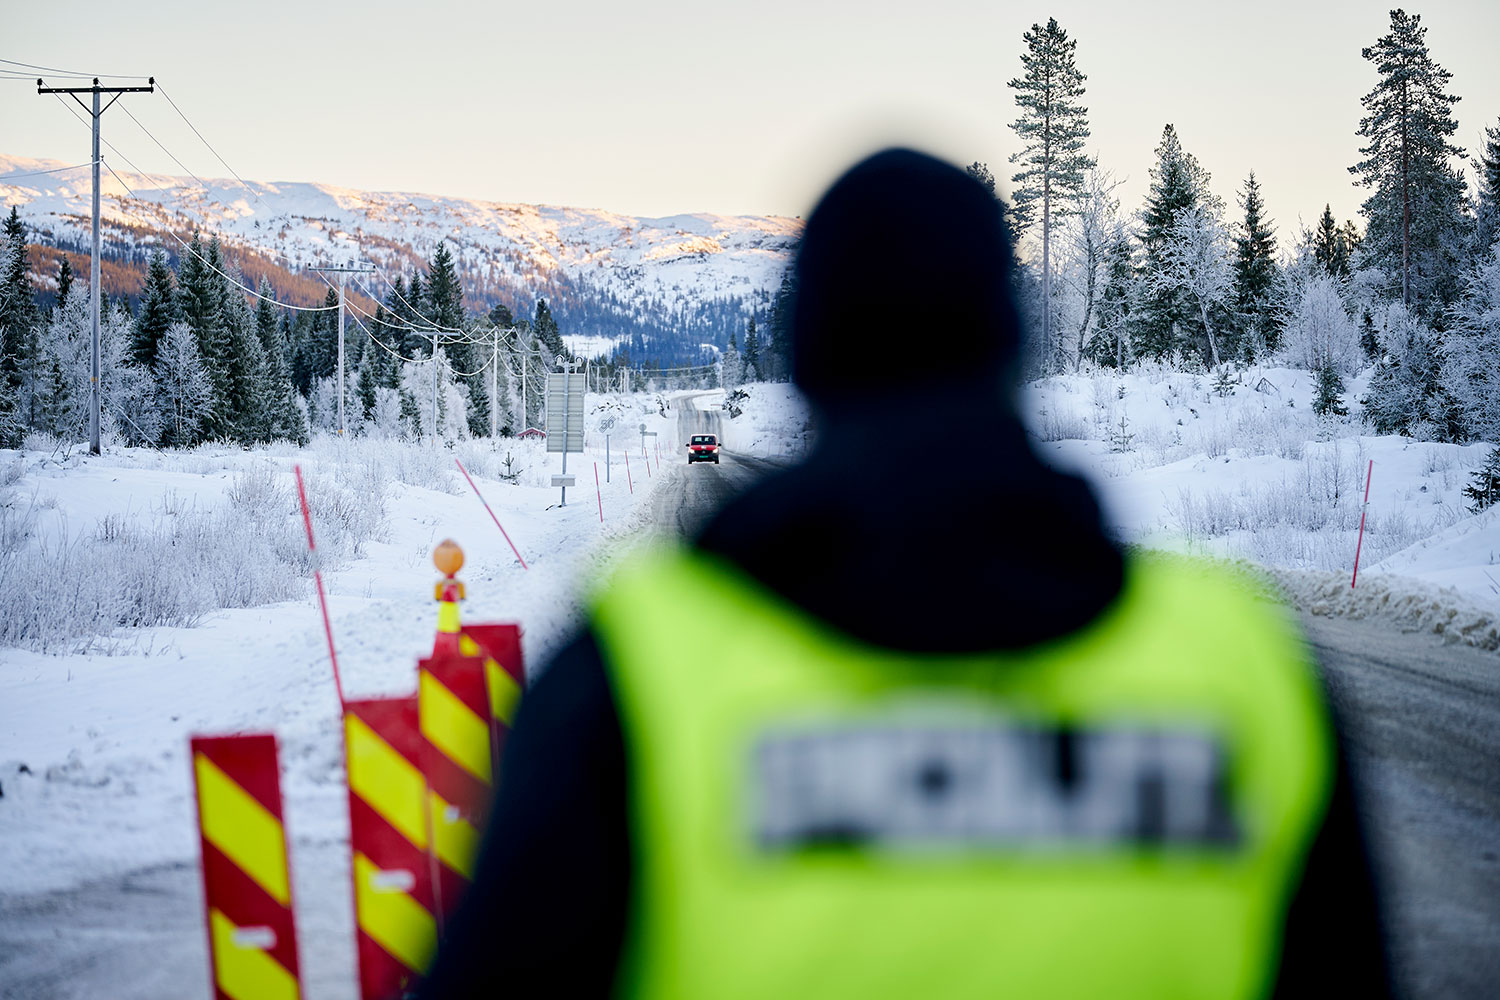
(394, 909)
(504, 675)
(246, 877)
(457, 760)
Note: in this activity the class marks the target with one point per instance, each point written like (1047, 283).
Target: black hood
(903, 284)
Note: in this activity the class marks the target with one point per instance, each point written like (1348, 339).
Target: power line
(212, 267)
(37, 173)
(190, 125)
(164, 149)
(65, 72)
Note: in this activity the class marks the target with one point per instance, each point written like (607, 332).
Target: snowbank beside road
(767, 420)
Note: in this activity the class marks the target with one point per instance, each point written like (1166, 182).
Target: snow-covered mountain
(672, 282)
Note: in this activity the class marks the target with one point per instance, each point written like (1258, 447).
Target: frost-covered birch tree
(1319, 333)
(1195, 259)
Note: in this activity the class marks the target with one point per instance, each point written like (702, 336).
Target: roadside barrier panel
(458, 762)
(247, 882)
(394, 908)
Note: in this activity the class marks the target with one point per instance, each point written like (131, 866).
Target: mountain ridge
(664, 285)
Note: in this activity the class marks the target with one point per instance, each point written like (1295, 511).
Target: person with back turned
(940, 736)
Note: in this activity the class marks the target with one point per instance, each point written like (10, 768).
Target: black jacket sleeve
(1334, 940)
(546, 912)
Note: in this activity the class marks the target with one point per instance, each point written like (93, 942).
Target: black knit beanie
(903, 284)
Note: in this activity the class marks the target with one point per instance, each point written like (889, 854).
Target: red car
(703, 448)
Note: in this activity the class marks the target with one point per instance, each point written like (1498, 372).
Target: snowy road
(1424, 740)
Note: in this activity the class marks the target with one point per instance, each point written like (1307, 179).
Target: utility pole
(95, 112)
(343, 273)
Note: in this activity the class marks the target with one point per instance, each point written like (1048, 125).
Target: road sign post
(565, 400)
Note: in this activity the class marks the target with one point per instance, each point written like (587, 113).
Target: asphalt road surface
(1424, 740)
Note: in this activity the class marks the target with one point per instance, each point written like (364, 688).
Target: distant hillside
(664, 285)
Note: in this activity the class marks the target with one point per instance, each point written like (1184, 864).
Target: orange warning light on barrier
(246, 876)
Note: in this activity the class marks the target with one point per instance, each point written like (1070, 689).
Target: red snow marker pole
(627, 474)
(333, 656)
(492, 513)
(1368, 473)
(597, 493)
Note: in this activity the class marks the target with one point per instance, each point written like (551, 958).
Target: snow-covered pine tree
(1256, 277)
(19, 321)
(1332, 248)
(245, 365)
(1487, 205)
(368, 382)
(544, 329)
(1471, 353)
(779, 350)
(1053, 128)
(64, 281)
(1164, 319)
(200, 302)
(285, 420)
(1483, 490)
(445, 299)
(732, 367)
(1406, 394)
(1329, 399)
(752, 355)
(127, 391)
(159, 310)
(184, 391)
(1415, 226)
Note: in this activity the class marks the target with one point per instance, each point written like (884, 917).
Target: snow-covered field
(201, 555)
(1254, 474)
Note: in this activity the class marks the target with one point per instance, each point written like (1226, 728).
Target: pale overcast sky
(654, 108)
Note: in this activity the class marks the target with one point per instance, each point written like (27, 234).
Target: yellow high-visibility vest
(1122, 812)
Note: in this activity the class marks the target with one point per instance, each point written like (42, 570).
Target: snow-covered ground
(1254, 474)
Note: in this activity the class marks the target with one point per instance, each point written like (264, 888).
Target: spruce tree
(1331, 246)
(752, 354)
(19, 323)
(544, 327)
(1053, 128)
(1164, 317)
(1255, 273)
(1414, 215)
(1487, 209)
(732, 368)
(159, 310)
(1483, 490)
(64, 282)
(1329, 399)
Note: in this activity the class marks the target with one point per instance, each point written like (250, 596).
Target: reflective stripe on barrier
(246, 877)
(454, 717)
(504, 675)
(394, 908)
